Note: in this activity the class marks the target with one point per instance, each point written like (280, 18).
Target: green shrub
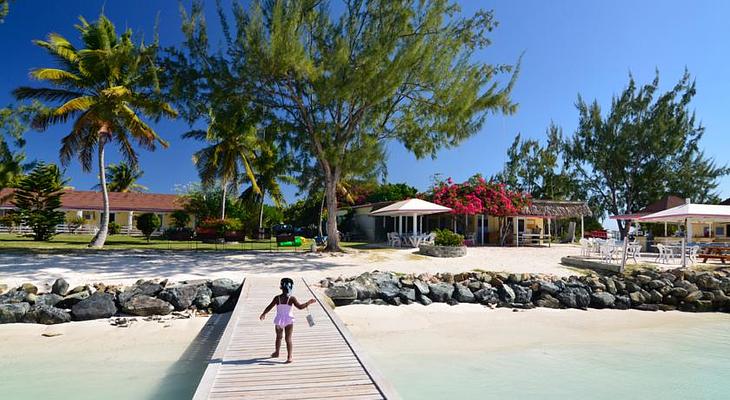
(148, 223)
(445, 237)
(114, 228)
(74, 223)
(222, 226)
(180, 219)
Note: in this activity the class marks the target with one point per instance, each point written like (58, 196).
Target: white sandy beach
(127, 267)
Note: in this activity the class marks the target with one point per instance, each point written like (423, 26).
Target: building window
(88, 215)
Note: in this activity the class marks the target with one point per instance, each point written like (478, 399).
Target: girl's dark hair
(286, 286)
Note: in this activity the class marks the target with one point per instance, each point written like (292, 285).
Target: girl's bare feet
(275, 354)
(288, 361)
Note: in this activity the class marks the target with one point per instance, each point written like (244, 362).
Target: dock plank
(328, 363)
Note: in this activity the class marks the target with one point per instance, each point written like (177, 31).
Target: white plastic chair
(607, 253)
(633, 251)
(585, 249)
(692, 254)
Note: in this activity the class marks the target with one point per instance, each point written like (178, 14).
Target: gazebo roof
(410, 207)
(696, 212)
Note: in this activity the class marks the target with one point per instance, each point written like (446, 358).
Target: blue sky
(570, 47)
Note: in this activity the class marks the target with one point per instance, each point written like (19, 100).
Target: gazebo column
(549, 230)
(665, 229)
(400, 225)
(582, 229)
(415, 224)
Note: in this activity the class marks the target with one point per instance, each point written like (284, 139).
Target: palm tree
(123, 178)
(271, 169)
(233, 143)
(104, 88)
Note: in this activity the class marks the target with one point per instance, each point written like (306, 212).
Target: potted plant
(446, 244)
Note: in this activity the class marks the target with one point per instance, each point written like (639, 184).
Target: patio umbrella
(689, 213)
(410, 207)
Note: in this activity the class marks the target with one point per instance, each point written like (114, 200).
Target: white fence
(72, 229)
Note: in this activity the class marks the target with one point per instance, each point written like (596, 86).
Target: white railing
(72, 229)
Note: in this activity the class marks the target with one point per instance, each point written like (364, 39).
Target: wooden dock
(328, 364)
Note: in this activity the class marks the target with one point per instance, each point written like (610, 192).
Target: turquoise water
(691, 362)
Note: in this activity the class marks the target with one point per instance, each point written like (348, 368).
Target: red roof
(662, 204)
(90, 200)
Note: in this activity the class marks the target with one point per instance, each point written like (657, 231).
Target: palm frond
(25, 92)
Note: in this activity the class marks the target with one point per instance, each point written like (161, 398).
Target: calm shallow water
(148, 368)
(690, 362)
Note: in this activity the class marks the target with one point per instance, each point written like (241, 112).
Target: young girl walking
(284, 320)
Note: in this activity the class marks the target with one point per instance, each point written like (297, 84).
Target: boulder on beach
(98, 305)
(341, 294)
(223, 287)
(602, 300)
(203, 297)
(14, 296)
(222, 304)
(181, 297)
(440, 292)
(60, 287)
(46, 315)
(13, 312)
(29, 288)
(72, 299)
(462, 294)
(144, 305)
(48, 299)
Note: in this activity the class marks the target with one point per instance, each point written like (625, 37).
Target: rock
(394, 301)
(602, 300)
(366, 287)
(549, 288)
(463, 294)
(707, 282)
(47, 315)
(622, 302)
(223, 287)
(425, 300)
(79, 289)
(548, 301)
(60, 287)
(654, 296)
(452, 302)
(637, 298)
(474, 285)
(13, 312)
(486, 296)
(203, 297)
(407, 295)
(647, 307)
(447, 277)
(440, 292)
(144, 305)
(506, 294)
(341, 294)
(98, 305)
(181, 297)
(380, 302)
(406, 282)
(223, 304)
(567, 299)
(3, 288)
(693, 296)
(48, 299)
(721, 299)
(704, 305)
(523, 295)
(679, 292)
(656, 284)
(389, 290)
(642, 279)
(29, 288)
(421, 287)
(610, 285)
(72, 299)
(14, 296)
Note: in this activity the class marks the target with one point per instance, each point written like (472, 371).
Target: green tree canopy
(103, 89)
(38, 198)
(373, 71)
(645, 147)
(148, 223)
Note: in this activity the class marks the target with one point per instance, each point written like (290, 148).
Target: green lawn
(13, 242)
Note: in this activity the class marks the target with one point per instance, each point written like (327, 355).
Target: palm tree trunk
(100, 238)
(321, 214)
(223, 202)
(261, 213)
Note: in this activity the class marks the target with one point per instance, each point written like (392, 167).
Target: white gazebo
(690, 213)
(410, 208)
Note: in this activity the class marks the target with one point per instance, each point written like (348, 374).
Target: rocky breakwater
(647, 290)
(145, 298)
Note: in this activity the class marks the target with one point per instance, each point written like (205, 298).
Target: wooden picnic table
(716, 252)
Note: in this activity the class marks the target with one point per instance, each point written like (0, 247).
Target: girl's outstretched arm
(296, 304)
(268, 308)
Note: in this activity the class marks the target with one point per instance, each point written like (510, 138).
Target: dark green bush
(114, 228)
(180, 218)
(445, 237)
(148, 223)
